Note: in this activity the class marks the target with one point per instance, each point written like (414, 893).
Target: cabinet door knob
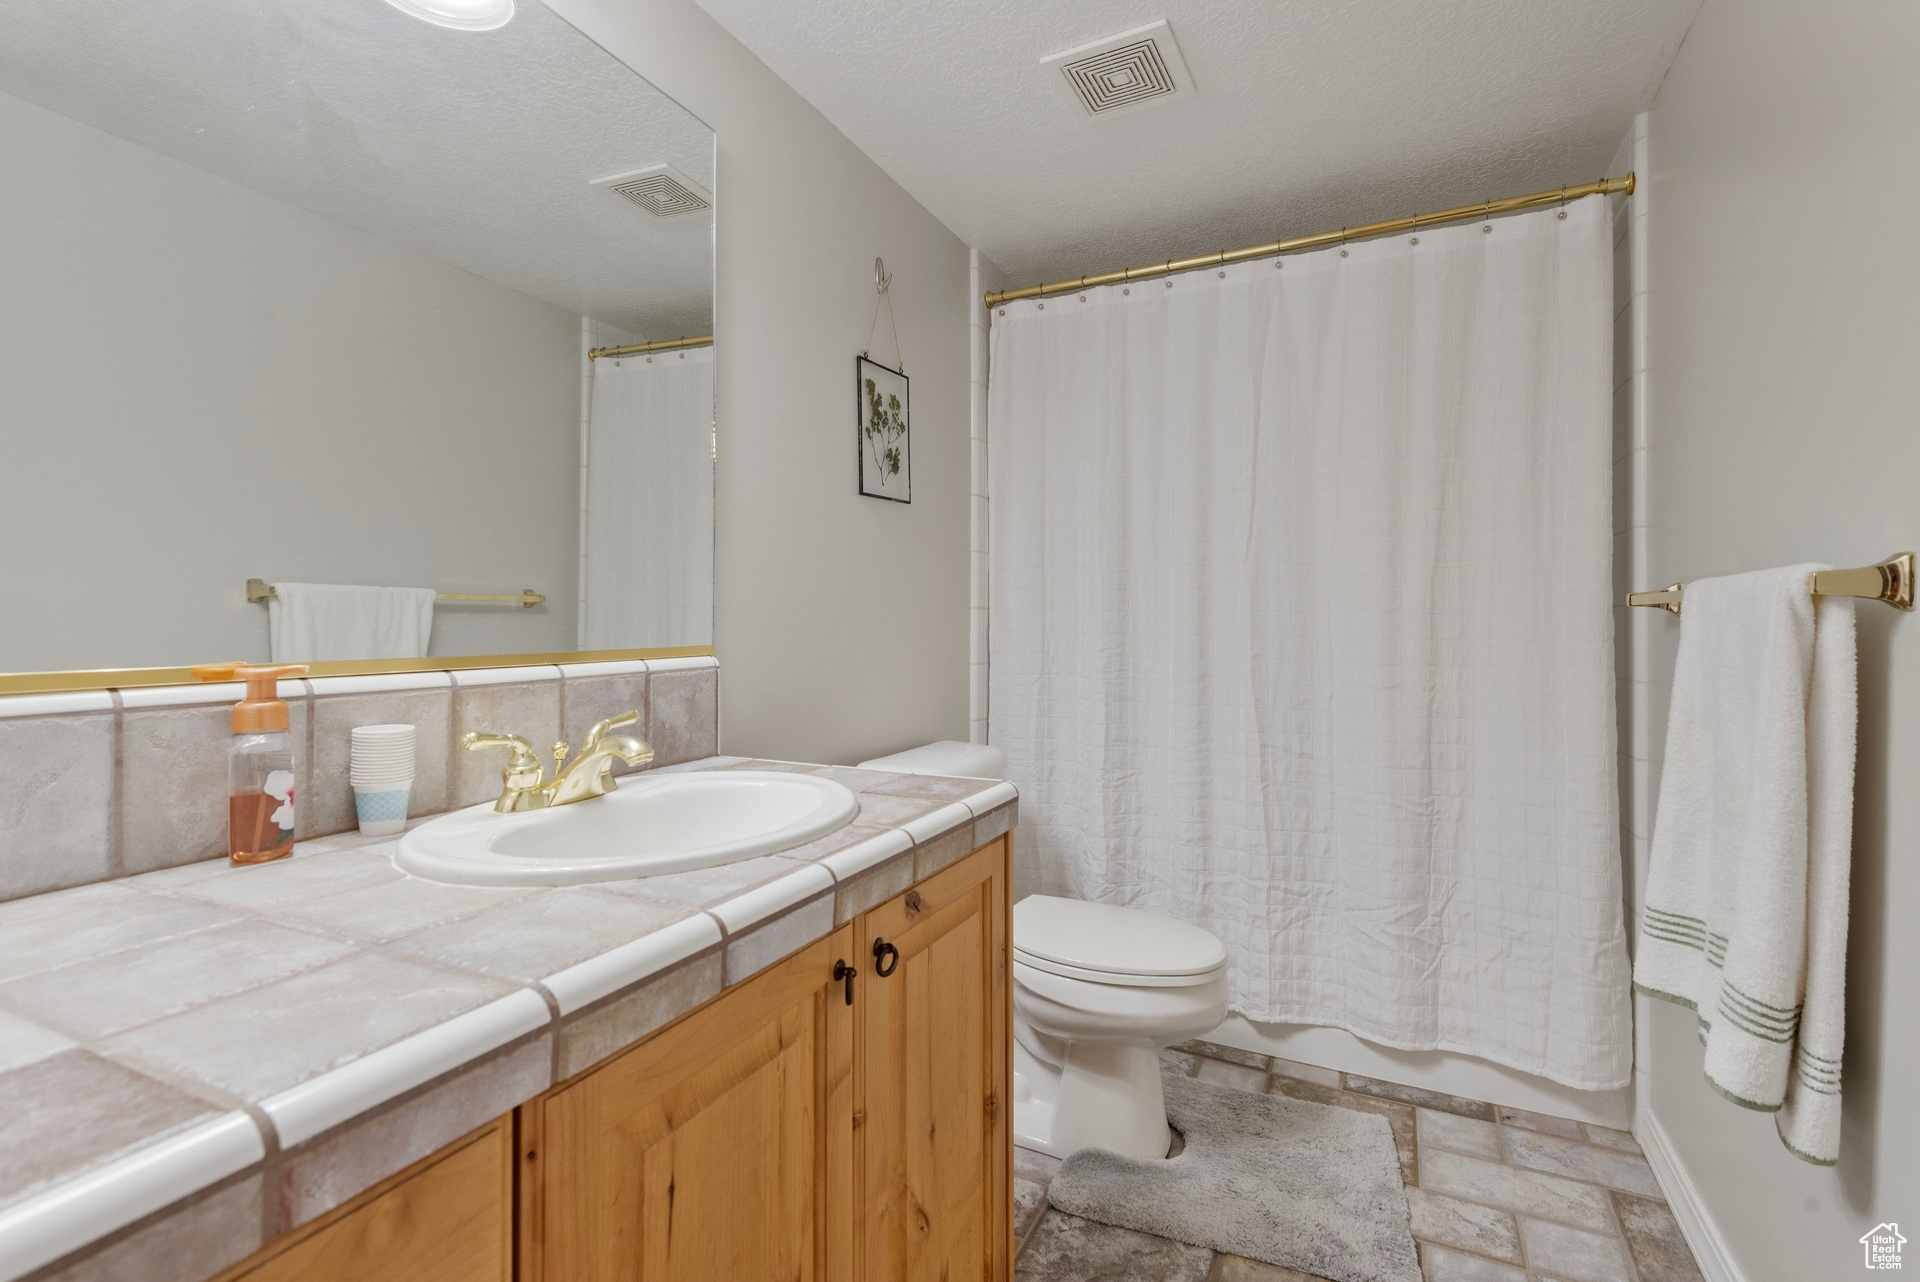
(886, 958)
(843, 971)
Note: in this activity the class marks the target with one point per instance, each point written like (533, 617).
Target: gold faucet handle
(523, 776)
(600, 728)
(473, 740)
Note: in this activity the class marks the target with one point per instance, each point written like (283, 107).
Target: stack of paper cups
(382, 774)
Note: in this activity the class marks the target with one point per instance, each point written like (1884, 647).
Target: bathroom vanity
(799, 1125)
(794, 1064)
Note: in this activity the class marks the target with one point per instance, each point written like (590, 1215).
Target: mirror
(303, 292)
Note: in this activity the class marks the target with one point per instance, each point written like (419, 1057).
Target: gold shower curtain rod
(1485, 209)
(664, 345)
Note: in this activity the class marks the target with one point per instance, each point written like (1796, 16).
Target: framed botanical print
(886, 432)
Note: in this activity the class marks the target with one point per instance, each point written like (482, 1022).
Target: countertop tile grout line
(116, 792)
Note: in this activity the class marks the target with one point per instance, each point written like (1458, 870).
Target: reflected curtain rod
(1485, 209)
(664, 345)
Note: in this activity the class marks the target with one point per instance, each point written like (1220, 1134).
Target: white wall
(1784, 381)
(200, 384)
(841, 622)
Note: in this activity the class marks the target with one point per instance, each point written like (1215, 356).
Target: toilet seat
(1105, 944)
(1122, 979)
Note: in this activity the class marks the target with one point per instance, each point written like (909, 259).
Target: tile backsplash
(107, 784)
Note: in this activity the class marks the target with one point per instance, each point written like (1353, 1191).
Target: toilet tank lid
(1112, 940)
(947, 757)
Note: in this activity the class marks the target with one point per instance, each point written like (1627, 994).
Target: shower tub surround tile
(363, 1018)
(1481, 1207)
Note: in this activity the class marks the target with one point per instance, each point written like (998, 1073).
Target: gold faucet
(590, 774)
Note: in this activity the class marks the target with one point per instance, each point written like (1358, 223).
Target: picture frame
(884, 431)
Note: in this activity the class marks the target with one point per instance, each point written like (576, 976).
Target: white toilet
(1098, 993)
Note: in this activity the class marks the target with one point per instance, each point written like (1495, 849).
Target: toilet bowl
(1098, 993)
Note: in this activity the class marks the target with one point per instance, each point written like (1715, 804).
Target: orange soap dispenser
(260, 775)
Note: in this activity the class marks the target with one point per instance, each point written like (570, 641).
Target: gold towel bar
(1890, 581)
(258, 590)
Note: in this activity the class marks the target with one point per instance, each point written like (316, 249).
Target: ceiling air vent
(661, 190)
(1123, 73)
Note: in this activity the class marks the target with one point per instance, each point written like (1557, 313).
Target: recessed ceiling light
(460, 15)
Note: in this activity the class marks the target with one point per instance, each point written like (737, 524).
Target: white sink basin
(651, 824)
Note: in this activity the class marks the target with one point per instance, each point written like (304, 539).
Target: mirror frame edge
(12, 683)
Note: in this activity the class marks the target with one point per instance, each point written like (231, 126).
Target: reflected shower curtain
(1302, 631)
(649, 497)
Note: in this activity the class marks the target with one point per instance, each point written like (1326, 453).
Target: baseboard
(1703, 1235)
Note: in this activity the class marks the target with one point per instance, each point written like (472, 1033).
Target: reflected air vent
(1123, 73)
(661, 190)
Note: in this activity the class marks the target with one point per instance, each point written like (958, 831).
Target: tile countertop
(196, 1059)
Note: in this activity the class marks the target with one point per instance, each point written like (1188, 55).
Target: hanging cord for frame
(882, 287)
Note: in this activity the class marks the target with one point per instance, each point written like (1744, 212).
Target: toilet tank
(947, 757)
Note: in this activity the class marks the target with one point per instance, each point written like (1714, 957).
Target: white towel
(1746, 904)
(316, 622)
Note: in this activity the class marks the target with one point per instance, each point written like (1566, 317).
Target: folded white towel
(1746, 904)
(316, 622)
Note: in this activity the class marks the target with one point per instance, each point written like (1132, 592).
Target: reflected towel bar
(1890, 581)
(258, 590)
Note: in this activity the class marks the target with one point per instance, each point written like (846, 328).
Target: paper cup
(382, 760)
(383, 813)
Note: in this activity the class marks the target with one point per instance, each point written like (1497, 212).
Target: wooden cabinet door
(720, 1148)
(447, 1219)
(933, 1070)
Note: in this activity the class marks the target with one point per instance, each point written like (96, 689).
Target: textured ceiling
(1309, 114)
(474, 149)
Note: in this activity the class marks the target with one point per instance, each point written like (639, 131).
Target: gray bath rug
(1296, 1184)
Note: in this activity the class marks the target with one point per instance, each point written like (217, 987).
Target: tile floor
(1496, 1194)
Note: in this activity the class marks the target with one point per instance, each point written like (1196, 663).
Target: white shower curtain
(649, 553)
(1302, 630)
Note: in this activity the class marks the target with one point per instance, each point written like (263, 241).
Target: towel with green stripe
(1745, 917)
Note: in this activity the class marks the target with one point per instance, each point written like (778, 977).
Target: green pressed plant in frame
(885, 432)
(885, 425)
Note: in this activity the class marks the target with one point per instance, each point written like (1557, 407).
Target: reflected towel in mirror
(320, 622)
